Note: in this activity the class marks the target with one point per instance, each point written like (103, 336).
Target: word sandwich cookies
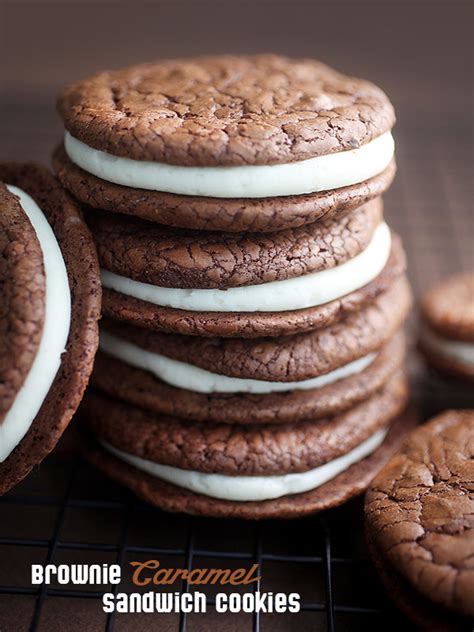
(251, 354)
(49, 308)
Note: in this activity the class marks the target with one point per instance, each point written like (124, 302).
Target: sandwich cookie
(420, 523)
(232, 143)
(447, 326)
(286, 306)
(49, 307)
(212, 377)
(249, 472)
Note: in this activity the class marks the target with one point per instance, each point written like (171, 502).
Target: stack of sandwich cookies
(49, 307)
(447, 327)
(276, 324)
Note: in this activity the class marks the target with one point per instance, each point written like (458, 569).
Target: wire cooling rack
(66, 512)
(87, 519)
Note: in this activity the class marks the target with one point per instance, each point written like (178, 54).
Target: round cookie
(447, 327)
(225, 111)
(134, 311)
(253, 452)
(217, 214)
(172, 258)
(81, 275)
(142, 388)
(168, 141)
(419, 521)
(21, 299)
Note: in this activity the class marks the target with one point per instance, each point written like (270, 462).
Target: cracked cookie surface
(78, 251)
(420, 512)
(142, 388)
(22, 297)
(169, 497)
(130, 310)
(225, 111)
(206, 213)
(245, 450)
(166, 257)
(283, 358)
(448, 308)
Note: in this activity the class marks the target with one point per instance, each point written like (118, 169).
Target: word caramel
(151, 572)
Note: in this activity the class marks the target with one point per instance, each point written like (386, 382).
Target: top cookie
(225, 111)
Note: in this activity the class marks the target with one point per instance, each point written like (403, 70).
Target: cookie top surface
(448, 308)
(78, 252)
(420, 510)
(244, 450)
(167, 257)
(22, 297)
(225, 111)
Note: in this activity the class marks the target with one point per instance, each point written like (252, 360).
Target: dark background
(420, 53)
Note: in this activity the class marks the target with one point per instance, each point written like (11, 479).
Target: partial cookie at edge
(84, 280)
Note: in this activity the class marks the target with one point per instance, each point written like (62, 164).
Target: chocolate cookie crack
(225, 111)
(420, 510)
(22, 297)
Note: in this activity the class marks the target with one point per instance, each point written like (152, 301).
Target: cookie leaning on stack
(49, 310)
(253, 367)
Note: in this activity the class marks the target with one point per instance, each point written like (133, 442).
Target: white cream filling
(193, 378)
(252, 488)
(321, 173)
(462, 352)
(309, 290)
(57, 318)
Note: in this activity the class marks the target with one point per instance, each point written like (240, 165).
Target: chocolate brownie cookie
(283, 377)
(228, 470)
(50, 301)
(218, 214)
(174, 140)
(447, 326)
(420, 525)
(267, 309)
(171, 258)
(312, 399)
(21, 299)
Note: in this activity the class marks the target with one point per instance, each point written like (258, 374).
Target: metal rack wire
(67, 511)
(319, 556)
